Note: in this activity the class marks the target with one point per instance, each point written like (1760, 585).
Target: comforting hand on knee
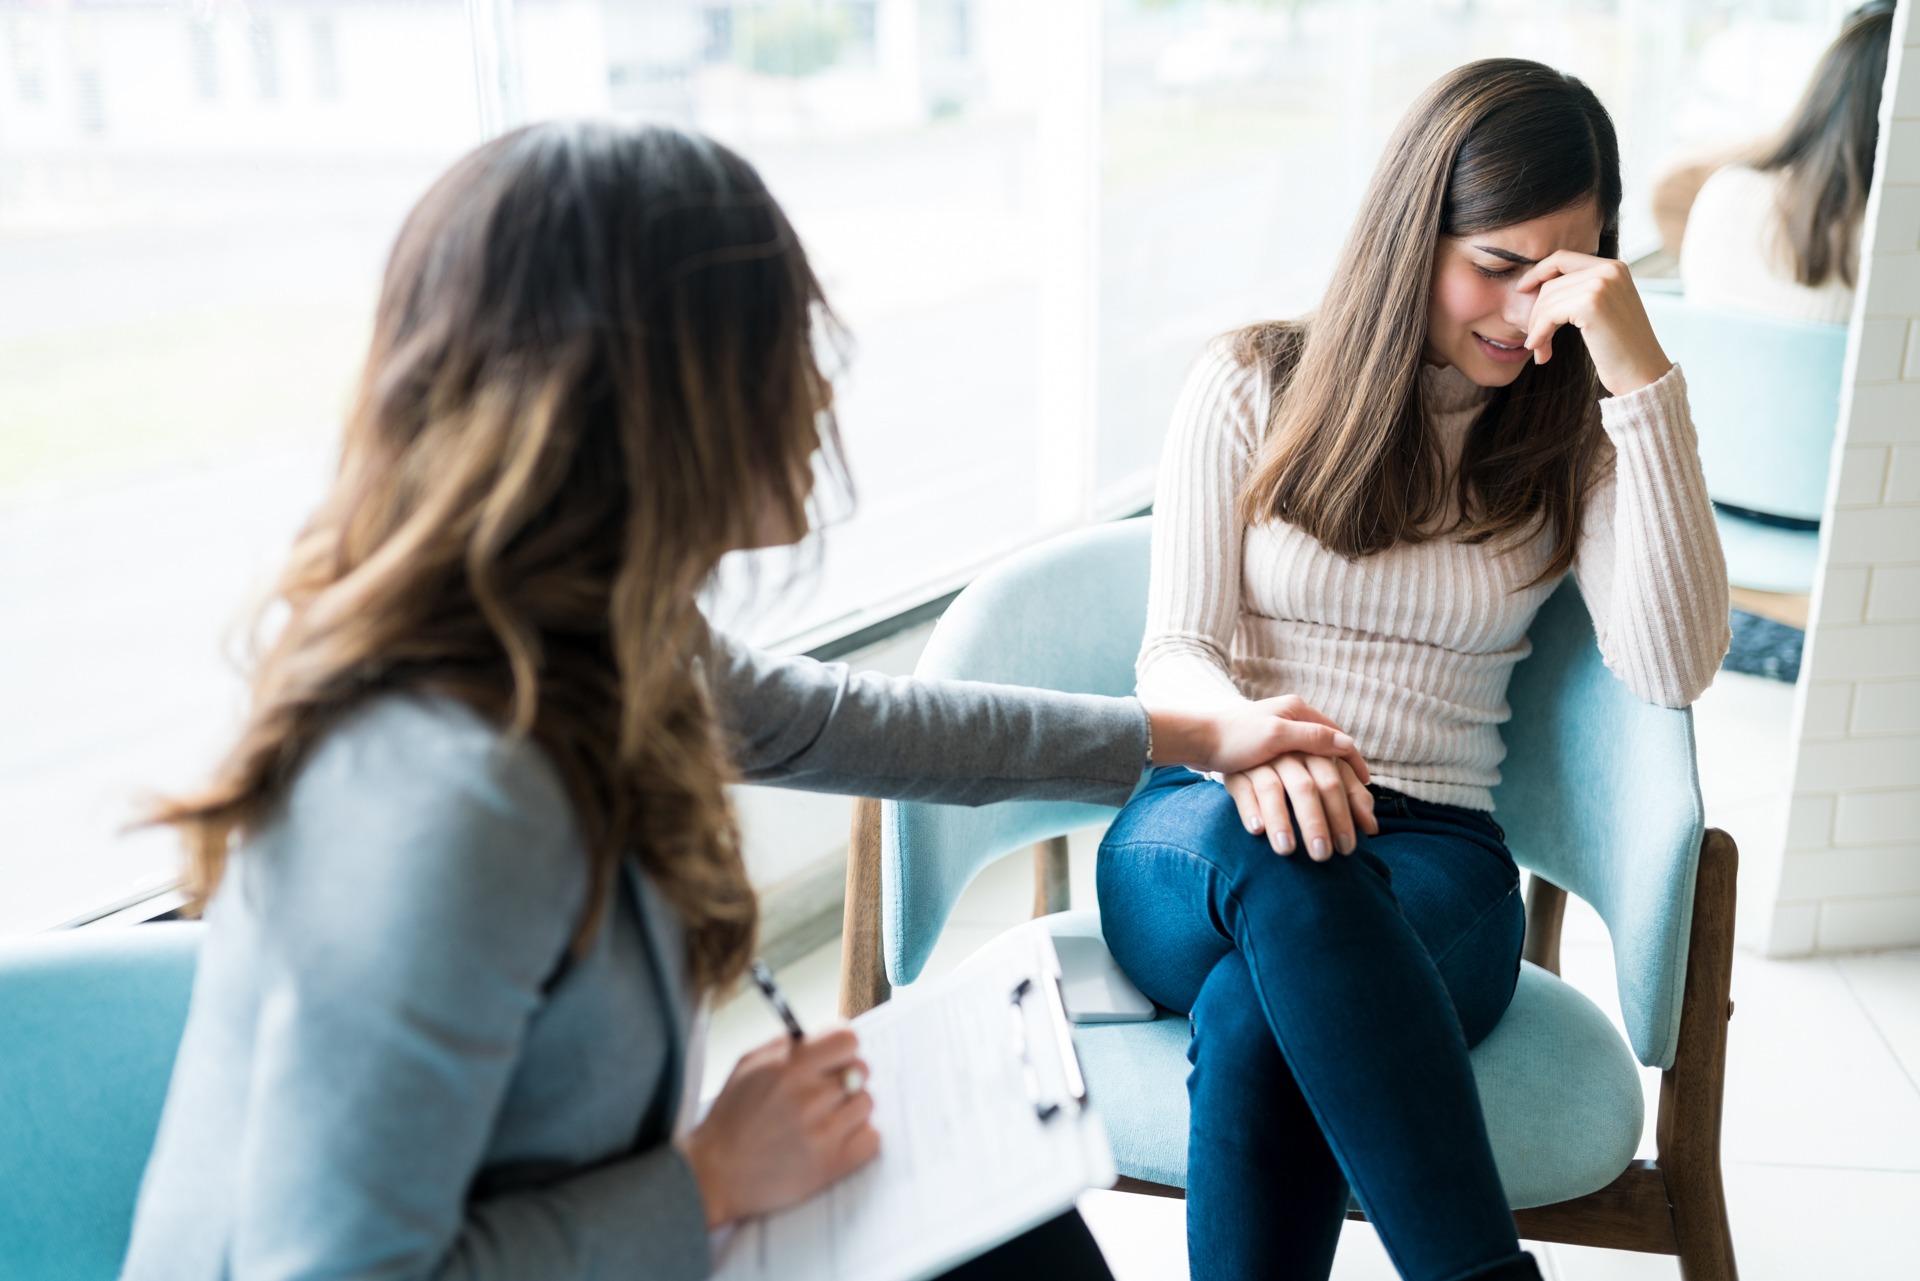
(1249, 735)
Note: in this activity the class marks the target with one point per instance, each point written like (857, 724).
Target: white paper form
(965, 1161)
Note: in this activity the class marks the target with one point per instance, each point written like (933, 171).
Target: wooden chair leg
(863, 970)
(1144, 1187)
(1051, 892)
(863, 973)
(1691, 1092)
(1546, 908)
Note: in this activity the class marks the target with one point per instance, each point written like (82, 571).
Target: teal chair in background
(89, 1022)
(1765, 394)
(1599, 797)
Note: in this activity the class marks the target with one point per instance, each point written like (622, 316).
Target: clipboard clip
(1069, 1056)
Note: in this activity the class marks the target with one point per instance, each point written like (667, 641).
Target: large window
(1031, 214)
(195, 202)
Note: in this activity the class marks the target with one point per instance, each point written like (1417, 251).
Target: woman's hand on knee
(785, 1125)
(1250, 735)
(1321, 794)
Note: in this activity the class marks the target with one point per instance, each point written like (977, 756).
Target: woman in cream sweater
(1362, 513)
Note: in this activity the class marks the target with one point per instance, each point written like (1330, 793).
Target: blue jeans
(1332, 1006)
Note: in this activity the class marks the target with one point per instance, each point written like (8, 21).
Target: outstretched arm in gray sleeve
(823, 727)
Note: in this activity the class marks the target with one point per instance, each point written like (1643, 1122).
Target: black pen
(763, 979)
(853, 1078)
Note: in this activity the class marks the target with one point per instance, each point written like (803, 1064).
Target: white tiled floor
(1822, 1118)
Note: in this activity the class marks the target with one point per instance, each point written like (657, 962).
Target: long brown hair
(1824, 156)
(1347, 457)
(592, 374)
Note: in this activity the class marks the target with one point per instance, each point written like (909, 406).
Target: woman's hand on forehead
(1597, 296)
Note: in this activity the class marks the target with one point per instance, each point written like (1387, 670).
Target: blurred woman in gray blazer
(470, 865)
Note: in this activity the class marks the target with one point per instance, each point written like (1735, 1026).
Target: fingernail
(1346, 844)
(1282, 845)
(1343, 742)
(1321, 849)
(1253, 828)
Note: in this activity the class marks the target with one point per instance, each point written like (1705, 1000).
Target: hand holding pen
(854, 1078)
(793, 1117)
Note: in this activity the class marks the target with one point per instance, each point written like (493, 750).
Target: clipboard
(986, 1130)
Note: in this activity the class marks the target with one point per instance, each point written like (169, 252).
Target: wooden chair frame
(1674, 1204)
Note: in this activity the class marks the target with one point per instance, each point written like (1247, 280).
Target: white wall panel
(1851, 876)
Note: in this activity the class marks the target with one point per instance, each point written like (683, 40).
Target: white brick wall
(1850, 877)
(1894, 593)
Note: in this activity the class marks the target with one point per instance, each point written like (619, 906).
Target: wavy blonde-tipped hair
(592, 374)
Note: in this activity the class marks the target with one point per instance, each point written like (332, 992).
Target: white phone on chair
(1093, 985)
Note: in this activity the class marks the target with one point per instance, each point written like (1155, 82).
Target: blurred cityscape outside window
(326, 58)
(206, 62)
(1030, 215)
(266, 67)
(27, 58)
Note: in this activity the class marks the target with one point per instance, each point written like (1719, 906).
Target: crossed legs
(1333, 1005)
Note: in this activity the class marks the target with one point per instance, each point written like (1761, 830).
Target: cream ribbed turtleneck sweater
(1410, 650)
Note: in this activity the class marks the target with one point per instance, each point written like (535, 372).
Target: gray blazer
(388, 1071)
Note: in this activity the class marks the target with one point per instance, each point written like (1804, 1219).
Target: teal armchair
(1599, 797)
(91, 1021)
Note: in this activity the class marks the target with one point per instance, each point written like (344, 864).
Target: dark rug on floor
(1762, 647)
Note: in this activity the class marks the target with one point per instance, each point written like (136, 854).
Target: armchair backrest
(1765, 394)
(91, 1019)
(1065, 615)
(1598, 795)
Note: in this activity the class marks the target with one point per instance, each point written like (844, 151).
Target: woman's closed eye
(1496, 274)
